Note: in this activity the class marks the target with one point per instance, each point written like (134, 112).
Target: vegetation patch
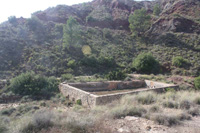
(146, 63)
(35, 85)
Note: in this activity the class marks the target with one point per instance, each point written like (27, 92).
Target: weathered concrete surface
(76, 91)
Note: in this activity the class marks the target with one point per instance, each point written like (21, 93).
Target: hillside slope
(36, 43)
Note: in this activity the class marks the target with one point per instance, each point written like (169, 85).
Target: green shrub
(31, 84)
(116, 75)
(197, 83)
(71, 63)
(89, 61)
(170, 90)
(66, 77)
(106, 61)
(8, 111)
(156, 10)
(79, 102)
(146, 63)
(179, 61)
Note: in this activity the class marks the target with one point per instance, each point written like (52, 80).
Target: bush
(154, 109)
(116, 75)
(40, 120)
(3, 128)
(66, 77)
(156, 10)
(194, 111)
(7, 111)
(185, 104)
(79, 102)
(170, 104)
(197, 82)
(122, 111)
(89, 61)
(197, 100)
(31, 84)
(146, 98)
(167, 120)
(179, 61)
(146, 63)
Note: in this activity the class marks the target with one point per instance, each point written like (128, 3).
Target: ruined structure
(100, 93)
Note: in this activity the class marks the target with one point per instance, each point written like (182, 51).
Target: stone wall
(76, 91)
(109, 85)
(75, 94)
(153, 84)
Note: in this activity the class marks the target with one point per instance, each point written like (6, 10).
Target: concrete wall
(109, 85)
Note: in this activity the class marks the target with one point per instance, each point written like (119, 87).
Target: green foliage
(146, 63)
(34, 23)
(71, 63)
(170, 90)
(102, 61)
(71, 33)
(79, 102)
(139, 22)
(197, 82)
(66, 77)
(31, 84)
(116, 75)
(179, 61)
(12, 20)
(100, 13)
(156, 10)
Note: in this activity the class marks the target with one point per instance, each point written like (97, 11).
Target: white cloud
(24, 8)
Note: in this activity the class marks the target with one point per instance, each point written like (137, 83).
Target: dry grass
(168, 109)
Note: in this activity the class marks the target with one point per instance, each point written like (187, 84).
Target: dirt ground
(132, 124)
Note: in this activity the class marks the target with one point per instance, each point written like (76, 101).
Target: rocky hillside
(36, 43)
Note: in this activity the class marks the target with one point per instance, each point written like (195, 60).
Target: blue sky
(24, 8)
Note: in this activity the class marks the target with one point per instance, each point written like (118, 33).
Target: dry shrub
(3, 128)
(170, 104)
(146, 98)
(167, 120)
(99, 127)
(154, 109)
(194, 111)
(123, 110)
(40, 120)
(197, 100)
(185, 104)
